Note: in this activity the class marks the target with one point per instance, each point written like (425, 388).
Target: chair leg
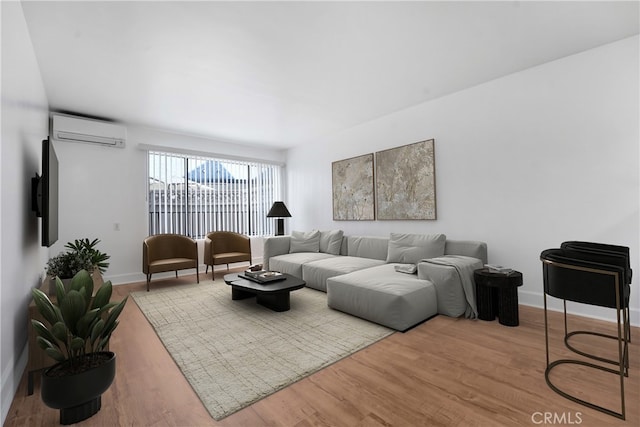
(622, 338)
(628, 328)
(627, 339)
(148, 280)
(622, 363)
(546, 328)
(176, 274)
(197, 274)
(207, 269)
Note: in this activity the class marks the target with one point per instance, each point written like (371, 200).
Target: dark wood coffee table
(273, 295)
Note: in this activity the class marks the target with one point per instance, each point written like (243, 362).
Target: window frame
(197, 206)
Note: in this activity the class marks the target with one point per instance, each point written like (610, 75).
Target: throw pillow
(331, 241)
(411, 248)
(305, 242)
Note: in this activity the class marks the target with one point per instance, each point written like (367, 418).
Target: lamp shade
(278, 210)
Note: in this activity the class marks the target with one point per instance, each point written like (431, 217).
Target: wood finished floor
(445, 372)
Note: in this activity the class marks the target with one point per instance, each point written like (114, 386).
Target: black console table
(497, 294)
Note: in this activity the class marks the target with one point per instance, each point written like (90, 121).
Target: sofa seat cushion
(316, 273)
(171, 264)
(292, 263)
(384, 296)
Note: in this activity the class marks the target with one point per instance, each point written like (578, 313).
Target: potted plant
(81, 255)
(75, 333)
(65, 265)
(84, 247)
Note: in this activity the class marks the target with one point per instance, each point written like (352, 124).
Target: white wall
(24, 121)
(523, 163)
(101, 187)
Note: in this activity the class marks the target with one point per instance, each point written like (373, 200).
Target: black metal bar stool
(595, 277)
(621, 255)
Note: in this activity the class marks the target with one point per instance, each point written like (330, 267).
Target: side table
(497, 294)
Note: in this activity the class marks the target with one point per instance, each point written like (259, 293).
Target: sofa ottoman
(384, 296)
(316, 273)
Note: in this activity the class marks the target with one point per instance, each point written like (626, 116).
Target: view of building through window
(193, 195)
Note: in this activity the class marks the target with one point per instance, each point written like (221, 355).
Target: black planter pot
(78, 396)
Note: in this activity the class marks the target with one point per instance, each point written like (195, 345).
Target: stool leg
(30, 383)
(508, 306)
(484, 300)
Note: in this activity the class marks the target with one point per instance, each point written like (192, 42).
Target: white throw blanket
(465, 267)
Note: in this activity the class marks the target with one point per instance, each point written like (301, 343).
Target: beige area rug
(234, 353)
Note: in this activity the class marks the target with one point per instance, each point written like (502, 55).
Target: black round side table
(497, 294)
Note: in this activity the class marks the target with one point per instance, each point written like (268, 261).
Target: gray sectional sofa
(359, 275)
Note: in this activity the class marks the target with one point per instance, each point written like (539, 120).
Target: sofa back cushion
(304, 242)
(367, 247)
(411, 248)
(470, 248)
(331, 241)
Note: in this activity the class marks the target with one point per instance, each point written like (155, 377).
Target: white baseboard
(533, 299)
(536, 299)
(122, 279)
(11, 377)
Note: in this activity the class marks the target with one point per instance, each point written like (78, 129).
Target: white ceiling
(285, 73)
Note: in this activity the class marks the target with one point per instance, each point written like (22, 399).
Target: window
(194, 195)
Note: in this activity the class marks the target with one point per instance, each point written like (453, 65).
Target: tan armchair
(226, 247)
(169, 252)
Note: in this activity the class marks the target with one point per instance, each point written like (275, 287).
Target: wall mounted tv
(44, 194)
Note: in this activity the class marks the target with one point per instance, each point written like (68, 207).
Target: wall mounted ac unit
(74, 129)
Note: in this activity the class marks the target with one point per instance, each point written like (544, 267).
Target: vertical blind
(195, 195)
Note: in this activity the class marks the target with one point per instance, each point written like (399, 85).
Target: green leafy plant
(65, 265)
(78, 324)
(84, 246)
(82, 255)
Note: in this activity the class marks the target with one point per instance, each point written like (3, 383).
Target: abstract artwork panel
(406, 182)
(353, 189)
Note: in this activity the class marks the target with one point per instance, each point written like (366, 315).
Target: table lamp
(280, 211)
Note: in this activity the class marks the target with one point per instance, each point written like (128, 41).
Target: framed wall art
(353, 189)
(406, 182)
